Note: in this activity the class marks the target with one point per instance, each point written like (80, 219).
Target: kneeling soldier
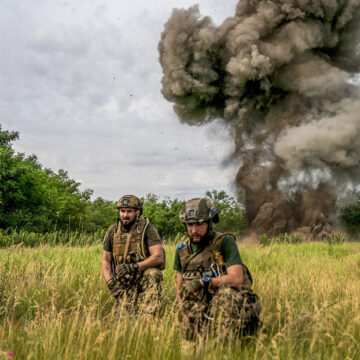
(213, 285)
(132, 259)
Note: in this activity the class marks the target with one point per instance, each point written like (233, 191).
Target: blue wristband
(205, 279)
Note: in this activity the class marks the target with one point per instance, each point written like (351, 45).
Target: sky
(81, 82)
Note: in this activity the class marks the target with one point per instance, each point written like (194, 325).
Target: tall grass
(31, 239)
(54, 305)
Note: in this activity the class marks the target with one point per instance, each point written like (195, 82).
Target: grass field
(54, 305)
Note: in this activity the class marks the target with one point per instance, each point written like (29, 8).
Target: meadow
(54, 304)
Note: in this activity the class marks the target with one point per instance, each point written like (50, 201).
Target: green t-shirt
(228, 249)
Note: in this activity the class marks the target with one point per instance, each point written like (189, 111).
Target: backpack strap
(215, 248)
(219, 236)
(246, 272)
(215, 243)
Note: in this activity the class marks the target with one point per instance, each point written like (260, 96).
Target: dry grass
(55, 305)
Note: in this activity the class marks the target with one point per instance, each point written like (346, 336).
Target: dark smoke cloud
(278, 73)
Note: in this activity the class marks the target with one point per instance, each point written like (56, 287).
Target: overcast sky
(80, 81)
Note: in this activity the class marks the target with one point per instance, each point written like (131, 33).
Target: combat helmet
(129, 201)
(198, 210)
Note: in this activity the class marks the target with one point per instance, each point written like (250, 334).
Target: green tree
(350, 215)
(35, 198)
(7, 137)
(164, 215)
(21, 194)
(68, 204)
(100, 214)
(232, 216)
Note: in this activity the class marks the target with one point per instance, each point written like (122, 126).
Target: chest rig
(130, 242)
(205, 258)
(208, 259)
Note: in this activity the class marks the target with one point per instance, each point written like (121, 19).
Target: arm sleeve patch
(180, 246)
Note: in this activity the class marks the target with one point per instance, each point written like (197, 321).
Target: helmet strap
(209, 222)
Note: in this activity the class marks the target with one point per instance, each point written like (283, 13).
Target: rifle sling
(191, 257)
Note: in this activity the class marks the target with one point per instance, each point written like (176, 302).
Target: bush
(32, 239)
(164, 215)
(350, 218)
(285, 238)
(334, 239)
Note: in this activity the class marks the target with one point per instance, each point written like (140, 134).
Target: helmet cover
(129, 201)
(198, 210)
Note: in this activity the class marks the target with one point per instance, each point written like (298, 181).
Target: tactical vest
(207, 258)
(126, 242)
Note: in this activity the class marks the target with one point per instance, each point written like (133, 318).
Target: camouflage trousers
(227, 311)
(142, 295)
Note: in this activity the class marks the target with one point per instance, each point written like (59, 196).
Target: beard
(128, 225)
(204, 240)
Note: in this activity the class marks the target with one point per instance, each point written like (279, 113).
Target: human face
(197, 231)
(128, 215)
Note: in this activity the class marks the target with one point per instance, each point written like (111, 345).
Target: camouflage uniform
(137, 292)
(235, 310)
(226, 309)
(142, 295)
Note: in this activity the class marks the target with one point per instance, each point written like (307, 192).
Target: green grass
(31, 239)
(54, 304)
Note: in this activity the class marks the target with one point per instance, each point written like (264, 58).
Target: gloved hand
(126, 269)
(114, 288)
(191, 287)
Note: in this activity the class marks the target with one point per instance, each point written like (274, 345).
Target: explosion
(280, 74)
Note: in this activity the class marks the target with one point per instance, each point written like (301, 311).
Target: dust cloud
(280, 74)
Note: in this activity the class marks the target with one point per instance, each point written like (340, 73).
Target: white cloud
(80, 81)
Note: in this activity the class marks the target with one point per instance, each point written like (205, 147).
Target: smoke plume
(279, 73)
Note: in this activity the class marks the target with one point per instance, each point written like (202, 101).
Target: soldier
(132, 259)
(213, 285)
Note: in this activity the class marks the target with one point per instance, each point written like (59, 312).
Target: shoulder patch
(180, 246)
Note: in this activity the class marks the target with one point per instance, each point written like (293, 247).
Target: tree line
(36, 199)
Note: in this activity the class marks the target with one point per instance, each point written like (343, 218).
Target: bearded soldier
(133, 258)
(213, 285)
